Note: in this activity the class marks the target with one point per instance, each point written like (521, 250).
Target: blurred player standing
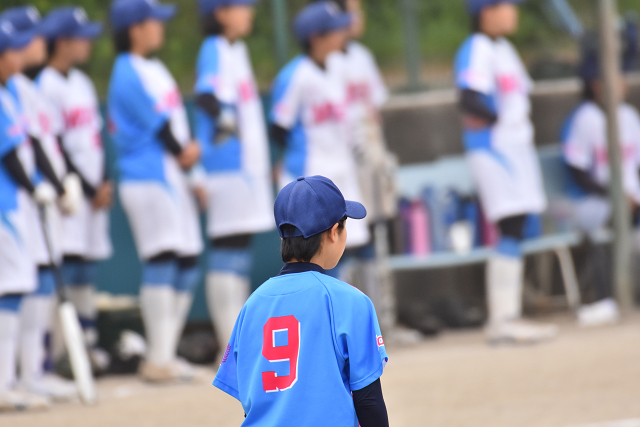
(35, 313)
(366, 93)
(18, 273)
(584, 146)
(235, 153)
(148, 122)
(306, 348)
(85, 233)
(498, 136)
(308, 114)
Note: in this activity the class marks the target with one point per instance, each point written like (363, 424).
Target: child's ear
(333, 233)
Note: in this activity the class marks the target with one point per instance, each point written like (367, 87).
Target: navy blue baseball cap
(70, 22)
(12, 39)
(475, 6)
(208, 6)
(313, 205)
(23, 18)
(125, 13)
(319, 18)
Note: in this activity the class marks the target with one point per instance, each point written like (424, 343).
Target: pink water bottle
(420, 233)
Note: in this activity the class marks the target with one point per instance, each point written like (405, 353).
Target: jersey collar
(300, 267)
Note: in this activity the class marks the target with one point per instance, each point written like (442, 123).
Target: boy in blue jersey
(231, 129)
(306, 348)
(148, 122)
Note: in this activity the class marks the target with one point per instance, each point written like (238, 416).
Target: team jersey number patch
(271, 382)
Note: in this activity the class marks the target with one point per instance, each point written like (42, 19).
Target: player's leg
(227, 282)
(591, 215)
(35, 321)
(187, 278)
(504, 281)
(9, 322)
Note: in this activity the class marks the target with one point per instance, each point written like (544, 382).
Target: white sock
(83, 299)
(226, 294)
(504, 288)
(182, 308)
(158, 313)
(8, 341)
(35, 319)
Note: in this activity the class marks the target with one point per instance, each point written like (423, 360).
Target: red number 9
(270, 380)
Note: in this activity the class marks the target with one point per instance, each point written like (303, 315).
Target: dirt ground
(583, 378)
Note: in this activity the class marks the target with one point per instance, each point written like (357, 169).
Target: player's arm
(44, 165)
(279, 135)
(476, 104)
(370, 407)
(586, 182)
(14, 167)
(88, 189)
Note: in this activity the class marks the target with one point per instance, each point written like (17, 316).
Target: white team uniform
(366, 93)
(585, 147)
(311, 102)
(42, 123)
(154, 190)
(17, 268)
(238, 183)
(86, 233)
(503, 159)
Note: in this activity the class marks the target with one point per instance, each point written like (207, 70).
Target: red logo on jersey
(78, 117)
(45, 123)
(170, 101)
(326, 112)
(358, 92)
(508, 83)
(247, 91)
(380, 340)
(226, 354)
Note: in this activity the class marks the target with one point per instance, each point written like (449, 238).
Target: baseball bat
(71, 329)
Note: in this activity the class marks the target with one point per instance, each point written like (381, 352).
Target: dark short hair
(209, 25)
(122, 40)
(299, 248)
(51, 47)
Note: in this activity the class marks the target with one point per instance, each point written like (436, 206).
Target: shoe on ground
(52, 387)
(603, 312)
(176, 371)
(520, 332)
(13, 400)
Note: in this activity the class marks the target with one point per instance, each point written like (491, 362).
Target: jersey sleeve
(130, 97)
(359, 339)
(285, 97)
(474, 65)
(379, 92)
(208, 69)
(227, 376)
(577, 145)
(10, 134)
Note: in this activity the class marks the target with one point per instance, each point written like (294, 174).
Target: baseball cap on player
(125, 13)
(71, 22)
(208, 6)
(11, 39)
(25, 18)
(313, 205)
(475, 6)
(319, 18)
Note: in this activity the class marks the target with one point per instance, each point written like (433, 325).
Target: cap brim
(355, 210)
(20, 39)
(163, 12)
(341, 21)
(89, 31)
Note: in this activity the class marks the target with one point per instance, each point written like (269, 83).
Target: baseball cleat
(520, 332)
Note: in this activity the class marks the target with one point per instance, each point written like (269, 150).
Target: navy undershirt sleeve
(370, 407)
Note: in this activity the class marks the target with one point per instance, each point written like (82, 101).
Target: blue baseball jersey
(302, 343)
(12, 135)
(142, 98)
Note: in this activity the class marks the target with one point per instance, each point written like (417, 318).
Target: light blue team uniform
(238, 183)
(17, 268)
(154, 190)
(302, 343)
